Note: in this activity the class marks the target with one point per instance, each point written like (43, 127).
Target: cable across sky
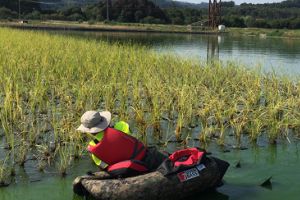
(238, 1)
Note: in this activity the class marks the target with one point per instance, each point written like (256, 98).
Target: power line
(107, 10)
(49, 3)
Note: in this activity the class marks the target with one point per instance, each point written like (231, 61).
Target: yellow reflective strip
(96, 160)
(92, 143)
(98, 137)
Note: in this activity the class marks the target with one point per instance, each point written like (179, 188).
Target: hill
(285, 14)
(29, 6)
(179, 4)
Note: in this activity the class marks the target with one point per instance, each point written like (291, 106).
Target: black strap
(140, 163)
(136, 151)
(139, 151)
(96, 141)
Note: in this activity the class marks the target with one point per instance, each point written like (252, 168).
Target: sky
(237, 1)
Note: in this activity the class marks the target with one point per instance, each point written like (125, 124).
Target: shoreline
(149, 28)
(135, 28)
(265, 33)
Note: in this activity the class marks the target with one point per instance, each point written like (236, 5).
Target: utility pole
(107, 10)
(219, 12)
(214, 13)
(209, 13)
(19, 10)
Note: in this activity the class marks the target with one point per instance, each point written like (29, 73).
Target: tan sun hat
(94, 122)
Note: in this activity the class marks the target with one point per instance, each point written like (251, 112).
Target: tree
(228, 4)
(6, 13)
(249, 21)
(26, 6)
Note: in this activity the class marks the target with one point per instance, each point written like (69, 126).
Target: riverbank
(260, 32)
(112, 27)
(147, 28)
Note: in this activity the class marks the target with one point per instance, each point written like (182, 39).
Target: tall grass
(48, 81)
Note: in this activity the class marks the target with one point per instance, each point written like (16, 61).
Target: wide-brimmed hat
(94, 122)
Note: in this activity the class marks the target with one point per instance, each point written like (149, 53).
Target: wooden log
(150, 186)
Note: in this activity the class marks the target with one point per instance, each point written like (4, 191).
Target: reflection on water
(279, 54)
(213, 48)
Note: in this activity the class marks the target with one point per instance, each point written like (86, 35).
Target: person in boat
(114, 149)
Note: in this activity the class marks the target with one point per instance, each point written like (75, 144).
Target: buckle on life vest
(102, 165)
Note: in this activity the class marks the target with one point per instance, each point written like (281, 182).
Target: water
(280, 162)
(281, 55)
(257, 163)
(49, 185)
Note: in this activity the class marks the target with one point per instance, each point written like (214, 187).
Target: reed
(22, 152)
(47, 82)
(4, 171)
(64, 159)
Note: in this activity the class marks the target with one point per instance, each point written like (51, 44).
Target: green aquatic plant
(4, 170)
(64, 159)
(47, 86)
(7, 116)
(21, 153)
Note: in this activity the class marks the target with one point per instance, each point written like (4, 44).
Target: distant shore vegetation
(269, 15)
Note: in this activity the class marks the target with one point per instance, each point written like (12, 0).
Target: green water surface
(281, 162)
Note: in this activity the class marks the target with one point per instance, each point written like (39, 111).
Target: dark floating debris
(238, 164)
(226, 150)
(12, 172)
(192, 125)
(239, 147)
(173, 139)
(4, 184)
(37, 180)
(267, 183)
(166, 118)
(7, 147)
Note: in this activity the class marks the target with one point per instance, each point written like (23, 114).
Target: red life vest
(117, 146)
(186, 157)
(182, 160)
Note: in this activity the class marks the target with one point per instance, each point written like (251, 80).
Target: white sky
(236, 1)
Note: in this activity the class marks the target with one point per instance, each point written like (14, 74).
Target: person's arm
(96, 160)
